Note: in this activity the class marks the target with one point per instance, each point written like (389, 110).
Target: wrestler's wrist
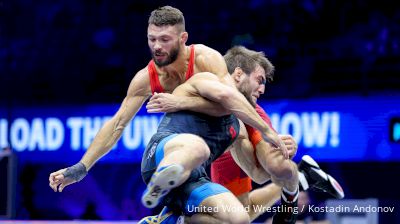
(266, 130)
(86, 164)
(76, 172)
(271, 137)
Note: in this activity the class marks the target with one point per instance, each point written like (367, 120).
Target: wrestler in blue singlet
(218, 132)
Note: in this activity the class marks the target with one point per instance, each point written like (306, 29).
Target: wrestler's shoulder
(204, 50)
(202, 76)
(142, 75)
(210, 60)
(140, 84)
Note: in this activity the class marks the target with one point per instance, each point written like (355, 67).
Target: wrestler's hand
(64, 177)
(290, 144)
(274, 139)
(163, 102)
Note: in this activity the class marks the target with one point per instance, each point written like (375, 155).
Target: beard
(245, 89)
(171, 56)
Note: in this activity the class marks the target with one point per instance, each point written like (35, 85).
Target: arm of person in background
(138, 92)
(207, 85)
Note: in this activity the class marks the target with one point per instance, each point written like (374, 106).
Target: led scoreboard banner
(329, 129)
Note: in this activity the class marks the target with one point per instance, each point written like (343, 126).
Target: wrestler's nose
(157, 45)
(261, 89)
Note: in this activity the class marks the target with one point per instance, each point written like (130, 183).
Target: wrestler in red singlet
(155, 82)
(226, 172)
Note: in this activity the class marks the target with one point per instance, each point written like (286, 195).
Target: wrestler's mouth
(254, 99)
(159, 56)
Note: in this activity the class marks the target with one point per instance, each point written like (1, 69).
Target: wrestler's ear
(184, 37)
(238, 74)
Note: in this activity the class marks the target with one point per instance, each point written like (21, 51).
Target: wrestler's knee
(282, 170)
(198, 147)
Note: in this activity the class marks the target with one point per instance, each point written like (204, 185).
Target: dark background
(85, 52)
(88, 51)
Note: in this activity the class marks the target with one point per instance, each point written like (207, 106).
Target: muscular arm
(208, 86)
(242, 152)
(138, 92)
(168, 103)
(212, 61)
(111, 131)
(201, 105)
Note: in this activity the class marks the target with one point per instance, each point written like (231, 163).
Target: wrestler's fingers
(152, 106)
(56, 182)
(286, 154)
(59, 177)
(154, 97)
(285, 137)
(285, 151)
(153, 100)
(154, 110)
(51, 178)
(53, 186)
(62, 186)
(286, 141)
(54, 174)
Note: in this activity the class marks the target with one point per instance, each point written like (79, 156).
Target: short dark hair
(247, 60)
(167, 15)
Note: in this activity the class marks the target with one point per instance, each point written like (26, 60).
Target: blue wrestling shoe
(313, 177)
(162, 181)
(166, 217)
